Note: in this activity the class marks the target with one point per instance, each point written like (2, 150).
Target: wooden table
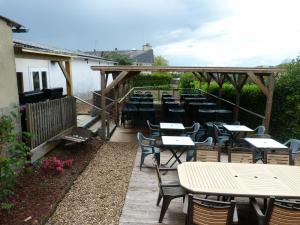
(243, 180)
(173, 142)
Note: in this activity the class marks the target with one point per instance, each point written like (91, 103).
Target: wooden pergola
(237, 76)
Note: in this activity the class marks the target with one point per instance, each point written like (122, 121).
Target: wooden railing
(47, 119)
(112, 113)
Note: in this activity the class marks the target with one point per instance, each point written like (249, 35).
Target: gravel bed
(98, 194)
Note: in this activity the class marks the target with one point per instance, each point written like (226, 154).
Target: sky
(185, 32)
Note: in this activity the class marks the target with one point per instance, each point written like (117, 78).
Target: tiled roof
(138, 56)
(50, 49)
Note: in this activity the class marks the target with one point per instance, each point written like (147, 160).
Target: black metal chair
(206, 115)
(176, 115)
(129, 113)
(145, 114)
(224, 115)
(167, 192)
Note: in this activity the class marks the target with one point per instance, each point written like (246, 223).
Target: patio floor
(140, 203)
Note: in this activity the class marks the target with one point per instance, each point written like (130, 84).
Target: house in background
(9, 98)
(37, 68)
(144, 57)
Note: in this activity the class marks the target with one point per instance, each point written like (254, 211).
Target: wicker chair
(241, 155)
(297, 160)
(209, 212)
(167, 192)
(282, 157)
(279, 212)
(207, 153)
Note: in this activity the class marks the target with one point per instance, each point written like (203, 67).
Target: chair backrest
(260, 129)
(158, 175)
(143, 141)
(216, 131)
(294, 145)
(207, 153)
(194, 132)
(282, 212)
(241, 155)
(281, 157)
(209, 212)
(152, 126)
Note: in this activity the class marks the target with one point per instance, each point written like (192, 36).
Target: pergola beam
(115, 82)
(260, 84)
(111, 69)
(67, 72)
(121, 75)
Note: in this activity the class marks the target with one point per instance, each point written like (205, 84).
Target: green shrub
(153, 80)
(285, 119)
(14, 155)
(188, 81)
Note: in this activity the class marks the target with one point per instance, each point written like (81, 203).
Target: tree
(160, 61)
(121, 59)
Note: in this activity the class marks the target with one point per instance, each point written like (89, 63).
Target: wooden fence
(47, 119)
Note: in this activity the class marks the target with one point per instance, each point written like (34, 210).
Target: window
(44, 79)
(20, 82)
(36, 81)
(39, 79)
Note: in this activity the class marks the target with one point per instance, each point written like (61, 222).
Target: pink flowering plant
(56, 164)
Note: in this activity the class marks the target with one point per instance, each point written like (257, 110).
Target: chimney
(147, 47)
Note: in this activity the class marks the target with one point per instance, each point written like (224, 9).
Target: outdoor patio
(140, 203)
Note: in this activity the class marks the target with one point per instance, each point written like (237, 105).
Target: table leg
(177, 159)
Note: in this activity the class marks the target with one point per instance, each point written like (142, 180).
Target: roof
(41, 48)
(139, 56)
(17, 28)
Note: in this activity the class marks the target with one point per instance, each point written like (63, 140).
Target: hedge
(285, 116)
(154, 79)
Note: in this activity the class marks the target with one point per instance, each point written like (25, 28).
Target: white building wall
(85, 80)
(54, 74)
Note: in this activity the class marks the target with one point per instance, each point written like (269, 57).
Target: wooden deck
(140, 203)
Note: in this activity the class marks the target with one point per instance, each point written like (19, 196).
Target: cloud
(186, 32)
(257, 33)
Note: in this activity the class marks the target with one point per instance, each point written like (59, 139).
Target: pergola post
(268, 92)
(103, 107)
(220, 79)
(238, 82)
(116, 96)
(67, 72)
(269, 102)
